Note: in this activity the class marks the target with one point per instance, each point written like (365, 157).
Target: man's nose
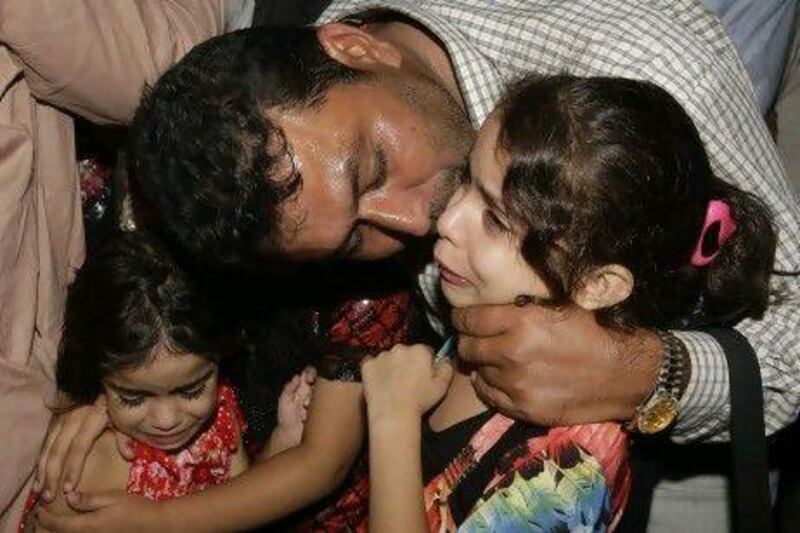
(406, 212)
(164, 415)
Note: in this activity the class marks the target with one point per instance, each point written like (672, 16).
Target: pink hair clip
(718, 223)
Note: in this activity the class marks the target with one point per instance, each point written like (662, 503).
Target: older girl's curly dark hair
(611, 170)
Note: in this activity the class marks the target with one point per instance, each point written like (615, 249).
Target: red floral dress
(158, 475)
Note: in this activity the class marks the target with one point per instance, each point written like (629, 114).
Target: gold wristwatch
(660, 409)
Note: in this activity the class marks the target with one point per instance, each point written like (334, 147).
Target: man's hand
(106, 511)
(69, 440)
(555, 367)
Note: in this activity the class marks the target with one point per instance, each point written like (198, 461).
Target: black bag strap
(751, 509)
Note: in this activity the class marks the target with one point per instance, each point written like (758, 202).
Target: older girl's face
(164, 403)
(478, 251)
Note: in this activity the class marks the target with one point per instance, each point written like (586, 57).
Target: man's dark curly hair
(205, 157)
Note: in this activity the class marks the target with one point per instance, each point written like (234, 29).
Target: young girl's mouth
(451, 278)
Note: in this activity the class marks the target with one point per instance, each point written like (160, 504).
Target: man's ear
(605, 286)
(356, 48)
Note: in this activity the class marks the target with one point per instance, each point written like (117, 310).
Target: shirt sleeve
(93, 57)
(743, 153)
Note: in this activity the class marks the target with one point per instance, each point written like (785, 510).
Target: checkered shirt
(682, 47)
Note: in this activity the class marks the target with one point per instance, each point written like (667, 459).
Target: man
(461, 51)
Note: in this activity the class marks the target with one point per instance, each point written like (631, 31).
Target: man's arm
(93, 57)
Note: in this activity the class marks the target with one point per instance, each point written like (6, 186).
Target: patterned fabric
(510, 476)
(364, 327)
(679, 45)
(158, 475)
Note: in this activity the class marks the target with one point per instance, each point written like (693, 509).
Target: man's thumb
(85, 502)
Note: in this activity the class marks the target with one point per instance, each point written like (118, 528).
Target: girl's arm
(267, 491)
(289, 481)
(395, 474)
(399, 387)
(240, 462)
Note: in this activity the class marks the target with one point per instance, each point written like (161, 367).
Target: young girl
(591, 193)
(139, 340)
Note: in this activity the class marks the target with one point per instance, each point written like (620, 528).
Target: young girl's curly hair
(128, 299)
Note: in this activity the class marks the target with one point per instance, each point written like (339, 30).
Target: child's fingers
(304, 394)
(291, 387)
(309, 375)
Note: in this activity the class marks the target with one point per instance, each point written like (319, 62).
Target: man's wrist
(644, 349)
(659, 410)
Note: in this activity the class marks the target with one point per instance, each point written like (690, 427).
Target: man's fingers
(482, 352)
(492, 396)
(59, 522)
(41, 465)
(480, 320)
(92, 501)
(494, 377)
(93, 427)
(55, 459)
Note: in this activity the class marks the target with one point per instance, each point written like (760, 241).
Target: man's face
(379, 159)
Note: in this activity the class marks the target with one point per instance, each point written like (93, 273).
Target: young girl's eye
(194, 393)
(131, 401)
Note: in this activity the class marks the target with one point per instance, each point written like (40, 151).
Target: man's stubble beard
(451, 131)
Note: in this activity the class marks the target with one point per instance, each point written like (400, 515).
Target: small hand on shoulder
(292, 412)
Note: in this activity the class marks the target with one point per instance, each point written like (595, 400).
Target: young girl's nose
(164, 415)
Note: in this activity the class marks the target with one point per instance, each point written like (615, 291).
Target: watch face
(658, 415)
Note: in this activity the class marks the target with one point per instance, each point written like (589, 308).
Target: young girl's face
(478, 250)
(164, 403)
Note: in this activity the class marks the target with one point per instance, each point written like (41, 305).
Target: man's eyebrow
(351, 168)
(379, 173)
